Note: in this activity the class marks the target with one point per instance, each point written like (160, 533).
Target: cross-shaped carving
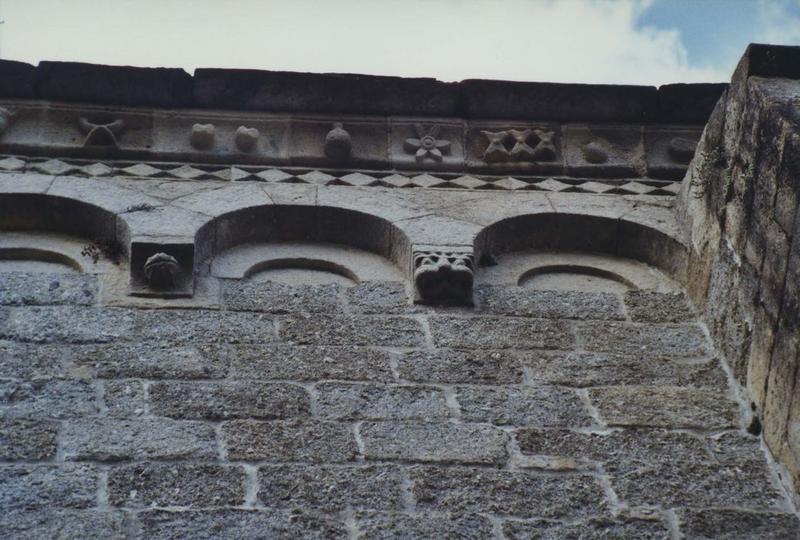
(496, 151)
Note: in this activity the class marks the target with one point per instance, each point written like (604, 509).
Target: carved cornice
(465, 147)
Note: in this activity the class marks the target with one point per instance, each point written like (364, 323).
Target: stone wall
(739, 200)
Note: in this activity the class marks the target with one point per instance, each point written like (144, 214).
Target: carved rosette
(161, 271)
(443, 277)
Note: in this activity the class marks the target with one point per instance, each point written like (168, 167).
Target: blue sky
(591, 41)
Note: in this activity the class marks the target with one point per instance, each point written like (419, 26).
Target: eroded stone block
(345, 401)
(293, 440)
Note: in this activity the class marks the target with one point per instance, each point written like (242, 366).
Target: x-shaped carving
(101, 134)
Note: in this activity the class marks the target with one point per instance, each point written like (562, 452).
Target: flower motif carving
(427, 144)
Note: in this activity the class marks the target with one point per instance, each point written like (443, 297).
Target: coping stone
(16, 79)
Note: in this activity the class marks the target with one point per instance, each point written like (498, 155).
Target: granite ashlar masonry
(324, 357)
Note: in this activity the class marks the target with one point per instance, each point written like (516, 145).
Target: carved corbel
(443, 276)
(162, 270)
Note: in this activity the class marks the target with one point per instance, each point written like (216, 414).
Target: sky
(650, 42)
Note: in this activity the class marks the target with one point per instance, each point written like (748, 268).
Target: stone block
(67, 324)
(330, 488)
(430, 145)
(605, 369)
(669, 150)
(378, 297)
(510, 493)
(64, 524)
(620, 527)
(459, 366)
(357, 143)
(17, 79)
(345, 401)
(112, 439)
(523, 302)
(617, 450)
(730, 524)
(522, 406)
(32, 487)
(738, 448)
(655, 307)
(284, 91)
(36, 289)
(669, 407)
(353, 330)
(293, 440)
(780, 386)
(278, 298)
(680, 341)
(29, 361)
(306, 363)
(434, 442)
(124, 398)
(49, 398)
(697, 485)
(26, 439)
(182, 327)
(113, 85)
(687, 103)
(141, 485)
(145, 361)
(235, 524)
(227, 399)
(604, 151)
(396, 526)
(500, 333)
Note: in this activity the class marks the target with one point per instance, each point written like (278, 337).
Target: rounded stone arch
(352, 243)
(587, 234)
(61, 230)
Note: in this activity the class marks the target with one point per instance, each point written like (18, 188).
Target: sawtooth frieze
(475, 147)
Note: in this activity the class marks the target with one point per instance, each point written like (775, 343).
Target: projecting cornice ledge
(289, 92)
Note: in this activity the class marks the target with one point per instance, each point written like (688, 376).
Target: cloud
(780, 21)
(594, 41)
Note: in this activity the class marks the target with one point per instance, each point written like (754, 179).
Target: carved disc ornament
(427, 144)
(444, 277)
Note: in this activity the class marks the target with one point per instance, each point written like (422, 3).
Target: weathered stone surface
(520, 494)
(344, 401)
(124, 398)
(352, 330)
(622, 338)
(17, 79)
(723, 524)
(113, 439)
(307, 363)
(500, 333)
(32, 361)
(330, 488)
(664, 407)
(151, 362)
(293, 440)
(386, 525)
(48, 398)
(602, 369)
(654, 307)
(460, 366)
(522, 406)
(378, 297)
(23, 439)
(434, 442)
(31, 289)
(634, 529)
(278, 298)
(698, 485)
(190, 327)
(228, 399)
(523, 302)
(619, 450)
(63, 524)
(168, 484)
(30, 487)
(738, 448)
(67, 324)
